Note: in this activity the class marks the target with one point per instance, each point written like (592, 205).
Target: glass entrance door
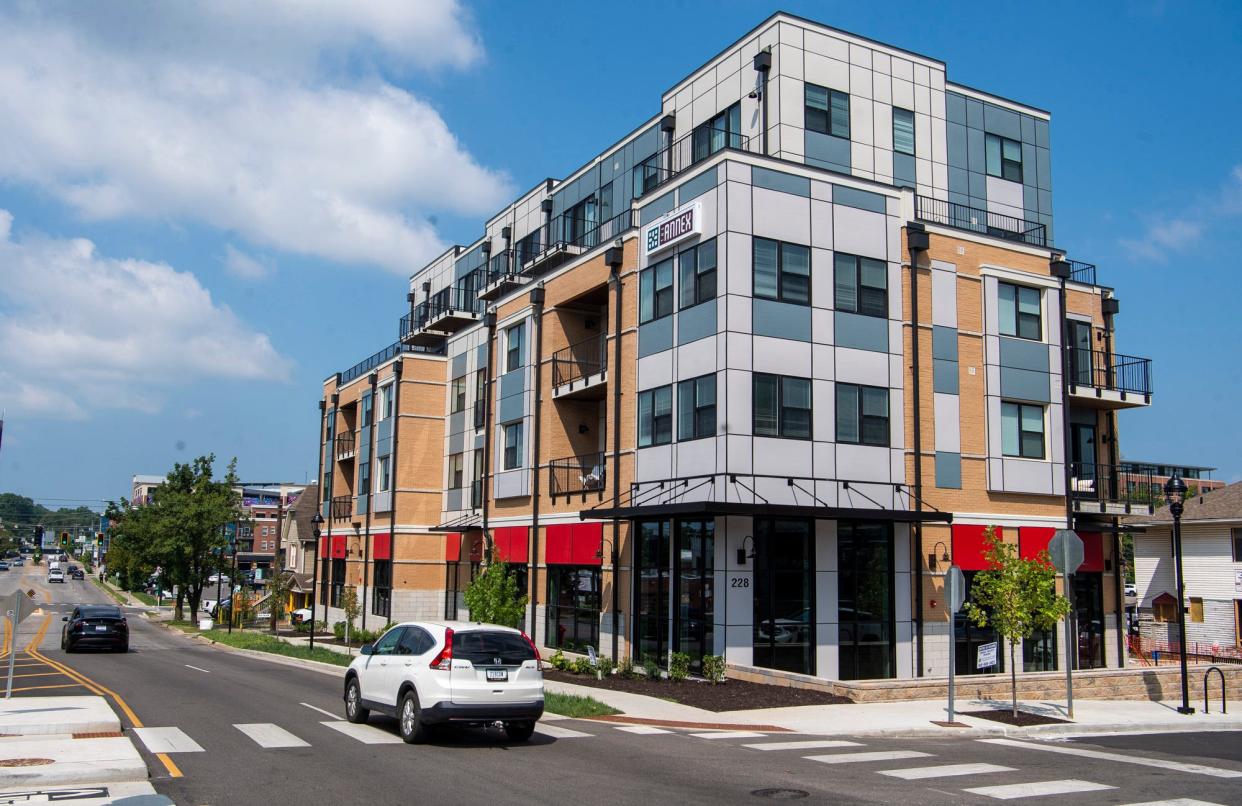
(865, 602)
(1083, 466)
(1089, 619)
(784, 605)
(1080, 353)
(694, 592)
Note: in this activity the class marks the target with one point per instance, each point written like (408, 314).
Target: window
(385, 474)
(456, 471)
(605, 202)
(782, 406)
(696, 268)
(387, 644)
(513, 446)
(722, 131)
(903, 131)
(476, 483)
(862, 415)
(696, 408)
(513, 348)
(581, 223)
(655, 291)
(381, 596)
(325, 570)
(527, 248)
(647, 175)
(457, 395)
(782, 271)
(1195, 611)
(827, 111)
(861, 285)
(655, 417)
(338, 581)
(1164, 609)
(364, 478)
(1236, 534)
(573, 607)
(1020, 312)
(480, 397)
(385, 401)
(1022, 430)
(866, 602)
(1003, 157)
(415, 641)
(367, 409)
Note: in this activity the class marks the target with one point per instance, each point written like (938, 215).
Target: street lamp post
(316, 522)
(1175, 495)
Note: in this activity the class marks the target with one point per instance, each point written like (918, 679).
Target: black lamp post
(316, 522)
(1175, 495)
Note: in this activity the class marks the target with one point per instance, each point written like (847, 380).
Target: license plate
(497, 674)
(101, 629)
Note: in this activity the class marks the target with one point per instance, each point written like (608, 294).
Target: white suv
(56, 575)
(431, 673)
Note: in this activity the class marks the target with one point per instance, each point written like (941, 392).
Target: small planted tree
(278, 588)
(352, 608)
(494, 597)
(1016, 597)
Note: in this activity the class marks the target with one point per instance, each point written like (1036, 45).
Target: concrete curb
(74, 761)
(282, 660)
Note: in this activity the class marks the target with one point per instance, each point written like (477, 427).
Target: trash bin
(205, 624)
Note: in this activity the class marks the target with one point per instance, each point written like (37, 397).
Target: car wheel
(409, 720)
(123, 648)
(519, 731)
(68, 647)
(354, 711)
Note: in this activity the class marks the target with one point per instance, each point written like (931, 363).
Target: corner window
(781, 406)
(513, 348)
(647, 175)
(655, 291)
(457, 395)
(696, 268)
(655, 417)
(696, 408)
(1003, 157)
(1020, 312)
(861, 285)
(1022, 430)
(827, 111)
(782, 271)
(722, 131)
(903, 131)
(513, 446)
(862, 415)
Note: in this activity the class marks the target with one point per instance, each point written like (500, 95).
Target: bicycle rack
(1223, 704)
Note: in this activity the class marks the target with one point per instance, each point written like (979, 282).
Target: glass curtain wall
(573, 607)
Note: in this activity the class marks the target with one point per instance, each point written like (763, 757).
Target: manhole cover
(780, 794)
(25, 762)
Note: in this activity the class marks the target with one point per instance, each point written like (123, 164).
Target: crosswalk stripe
(265, 734)
(1164, 764)
(364, 733)
(944, 771)
(1038, 788)
(728, 734)
(643, 730)
(167, 740)
(1175, 802)
(809, 744)
(557, 732)
(875, 755)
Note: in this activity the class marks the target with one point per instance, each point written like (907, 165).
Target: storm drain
(780, 794)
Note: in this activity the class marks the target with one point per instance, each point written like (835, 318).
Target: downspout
(532, 539)
(366, 535)
(397, 370)
(918, 242)
(763, 64)
(613, 257)
(1060, 268)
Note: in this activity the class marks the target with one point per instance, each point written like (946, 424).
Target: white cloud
(242, 265)
(81, 331)
(1165, 236)
(254, 118)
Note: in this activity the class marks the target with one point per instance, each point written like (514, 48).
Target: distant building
(298, 545)
(141, 487)
(1139, 476)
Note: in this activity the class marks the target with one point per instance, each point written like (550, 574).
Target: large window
(696, 408)
(655, 291)
(338, 581)
(903, 131)
(861, 285)
(325, 578)
(827, 111)
(1003, 157)
(1020, 311)
(386, 394)
(368, 410)
(385, 475)
(457, 395)
(782, 406)
(722, 131)
(581, 223)
(696, 268)
(513, 446)
(783, 631)
(1022, 430)
(456, 471)
(862, 415)
(381, 591)
(782, 271)
(652, 591)
(513, 348)
(573, 607)
(655, 416)
(865, 600)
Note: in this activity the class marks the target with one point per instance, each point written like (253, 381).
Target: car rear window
(100, 612)
(483, 647)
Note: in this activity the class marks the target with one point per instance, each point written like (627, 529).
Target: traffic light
(64, 540)
(99, 538)
(39, 534)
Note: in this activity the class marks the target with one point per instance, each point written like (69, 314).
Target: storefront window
(969, 636)
(1089, 619)
(1039, 652)
(695, 588)
(652, 594)
(867, 649)
(573, 607)
(784, 606)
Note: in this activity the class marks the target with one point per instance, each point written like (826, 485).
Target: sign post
(955, 591)
(18, 606)
(1066, 552)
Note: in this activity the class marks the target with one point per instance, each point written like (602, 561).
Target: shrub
(582, 666)
(338, 629)
(678, 666)
(558, 661)
(625, 668)
(603, 666)
(714, 668)
(650, 668)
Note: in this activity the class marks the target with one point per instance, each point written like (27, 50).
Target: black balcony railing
(344, 444)
(577, 474)
(387, 354)
(566, 232)
(1113, 371)
(1111, 484)
(460, 298)
(342, 506)
(1082, 272)
(959, 216)
(582, 360)
(685, 153)
(499, 266)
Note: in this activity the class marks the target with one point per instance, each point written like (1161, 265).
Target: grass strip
(108, 590)
(146, 598)
(265, 643)
(575, 706)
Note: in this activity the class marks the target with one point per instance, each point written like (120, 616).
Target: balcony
(566, 237)
(685, 153)
(973, 219)
(502, 276)
(414, 330)
(1111, 490)
(366, 365)
(581, 370)
(345, 446)
(1082, 272)
(1108, 380)
(456, 307)
(342, 507)
(577, 474)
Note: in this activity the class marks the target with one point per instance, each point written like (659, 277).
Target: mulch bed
(731, 695)
(1023, 720)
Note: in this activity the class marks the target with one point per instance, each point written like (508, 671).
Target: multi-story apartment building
(750, 380)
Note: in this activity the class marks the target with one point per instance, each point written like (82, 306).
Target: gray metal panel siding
(944, 376)
(364, 444)
(481, 356)
(826, 151)
(657, 208)
(1025, 384)
(513, 383)
(360, 504)
(781, 320)
(512, 408)
(861, 199)
(457, 422)
(696, 187)
(955, 107)
(453, 498)
(1023, 354)
(904, 173)
(780, 181)
(697, 322)
(1004, 122)
(383, 429)
(949, 470)
(459, 365)
(457, 440)
(957, 146)
(860, 332)
(655, 337)
(944, 342)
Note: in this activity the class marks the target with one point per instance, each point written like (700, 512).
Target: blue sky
(257, 187)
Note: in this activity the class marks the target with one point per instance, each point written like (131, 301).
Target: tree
(352, 608)
(278, 588)
(493, 596)
(1016, 596)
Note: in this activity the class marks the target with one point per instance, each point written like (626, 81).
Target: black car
(95, 625)
(77, 573)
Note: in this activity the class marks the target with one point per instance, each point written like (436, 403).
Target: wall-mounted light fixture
(583, 428)
(742, 554)
(934, 559)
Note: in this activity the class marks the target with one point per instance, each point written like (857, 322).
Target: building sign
(987, 656)
(673, 228)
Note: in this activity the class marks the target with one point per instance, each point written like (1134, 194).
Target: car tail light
(535, 649)
(444, 660)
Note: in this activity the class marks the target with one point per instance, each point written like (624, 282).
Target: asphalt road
(203, 694)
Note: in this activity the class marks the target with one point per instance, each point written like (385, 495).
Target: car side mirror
(366, 649)
(64, 618)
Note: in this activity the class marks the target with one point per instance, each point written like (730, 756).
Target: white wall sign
(987, 656)
(675, 227)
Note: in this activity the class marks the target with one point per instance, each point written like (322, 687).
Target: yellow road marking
(173, 770)
(40, 688)
(37, 674)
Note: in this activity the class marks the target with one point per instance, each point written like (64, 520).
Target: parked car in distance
(95, 625)
(4, 566)
(1131, 589)
(55, 575)
(222, 579)
(211, 606)
(301, 615)
(432, 673)
(76, 573)
(19, 561)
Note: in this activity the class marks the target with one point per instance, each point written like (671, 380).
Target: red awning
(1033, 539)
(452, 546)
(1092, 552)
(338, 546)
(381, 546)
(476, 546)
(574, 544)
(512, 543)
(969, 546)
